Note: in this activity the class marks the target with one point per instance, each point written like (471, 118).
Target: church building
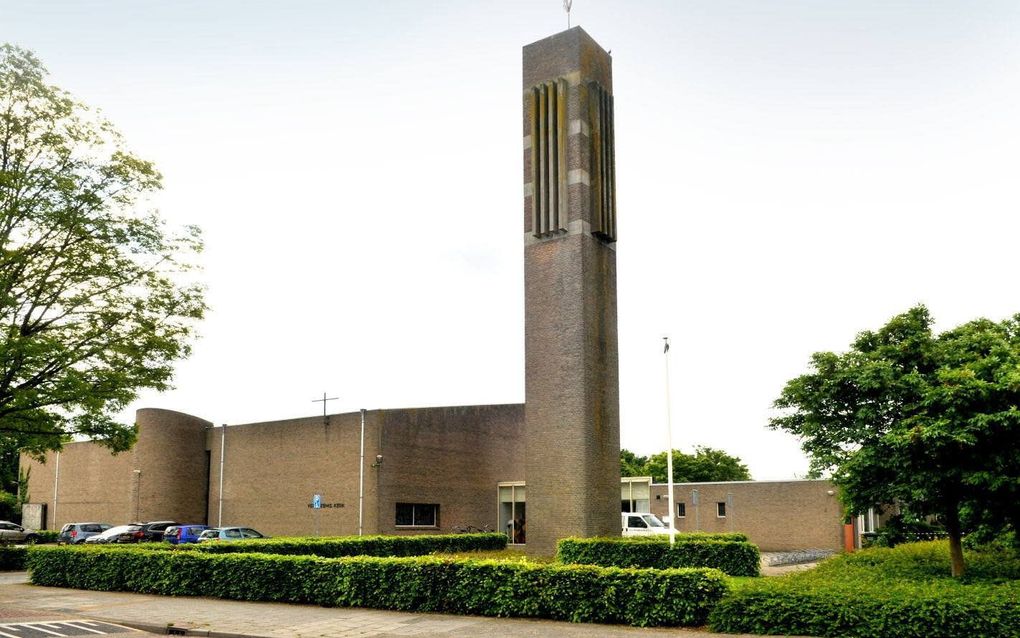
(539, 471)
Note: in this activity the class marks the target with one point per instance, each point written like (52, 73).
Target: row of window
(720, 509)
(427, 514)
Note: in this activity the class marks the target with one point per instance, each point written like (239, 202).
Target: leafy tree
(927, 420)
(95, 302)
(631, 464)
(704, 466)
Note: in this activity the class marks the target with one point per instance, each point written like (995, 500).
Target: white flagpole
(669, 451)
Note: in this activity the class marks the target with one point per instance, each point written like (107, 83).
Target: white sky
(789, 173)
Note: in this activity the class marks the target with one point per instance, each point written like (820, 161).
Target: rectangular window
(417, 515)
(720, 509)
(681, 510)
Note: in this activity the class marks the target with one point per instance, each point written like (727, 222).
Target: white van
(642, 524)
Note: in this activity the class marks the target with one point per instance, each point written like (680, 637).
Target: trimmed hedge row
(578, 593)
(883, 593)
(731, 557)
(12, 558)
(335, 547)
(870, 610)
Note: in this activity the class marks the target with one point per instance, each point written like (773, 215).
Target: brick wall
(95, 485)
(272, 470)
(776, 515)
(453, 457)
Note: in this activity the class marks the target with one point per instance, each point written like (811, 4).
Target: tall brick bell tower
(572, 421)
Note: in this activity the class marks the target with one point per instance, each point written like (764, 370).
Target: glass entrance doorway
(512, 512)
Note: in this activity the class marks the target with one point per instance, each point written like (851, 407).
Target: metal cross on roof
(323, 400)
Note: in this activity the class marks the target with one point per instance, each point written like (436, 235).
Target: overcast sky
(789, 173)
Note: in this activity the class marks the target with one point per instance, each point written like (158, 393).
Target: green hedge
(731, 557)
(335, 547)
(12, 558)
(905, 592)
(578, 593)
(48, 535)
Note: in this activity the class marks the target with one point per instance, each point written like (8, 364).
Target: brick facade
(776, 515)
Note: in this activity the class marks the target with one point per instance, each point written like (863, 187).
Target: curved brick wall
(171, 468)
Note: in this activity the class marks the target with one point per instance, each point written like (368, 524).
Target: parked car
(118, 534)
(642, 524)
(177, 534)
(229, 534)
(75, 533)
(153, 530)
(14, 533)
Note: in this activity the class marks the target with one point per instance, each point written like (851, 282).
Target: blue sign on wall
(317, 501)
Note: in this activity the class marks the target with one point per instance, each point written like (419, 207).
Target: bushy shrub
(903, 529)
(12, 558)
(47, 535)
(882, 593)
(10, 509)
(336, 547)
(578, 593)
(735, 558)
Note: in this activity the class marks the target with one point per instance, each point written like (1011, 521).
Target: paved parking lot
(47, 629)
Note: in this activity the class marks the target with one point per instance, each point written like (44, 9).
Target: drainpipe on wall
(361, 477)
(223, 445)
(56, 484)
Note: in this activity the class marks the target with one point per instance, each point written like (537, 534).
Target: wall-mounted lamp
(378, 460)
(830, 492)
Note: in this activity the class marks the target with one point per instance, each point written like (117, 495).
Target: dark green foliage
(47, 535)
(578, 593)
(363, 545)
(904, 592)
(10, 509)
(903, 529)
(12, 558)
(706, 465)
(926, 420)
(736, 558)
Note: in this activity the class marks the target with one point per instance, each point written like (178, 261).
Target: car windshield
(120, 529)
(209, 533)
(652, 520)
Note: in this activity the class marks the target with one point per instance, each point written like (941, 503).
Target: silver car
(14, 533)
(229, 534)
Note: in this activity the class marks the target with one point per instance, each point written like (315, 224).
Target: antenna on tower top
(566, 7)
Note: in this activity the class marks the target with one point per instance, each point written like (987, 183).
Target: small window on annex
(681, 510)
(720, 509)
(417, 515)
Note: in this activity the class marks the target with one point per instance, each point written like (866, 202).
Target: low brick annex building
(440, 469)
(423, 470)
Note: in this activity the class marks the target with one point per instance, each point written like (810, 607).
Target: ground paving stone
(236, 619)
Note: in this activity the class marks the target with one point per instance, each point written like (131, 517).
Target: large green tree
(706, 465)
(929, 421)
(96, 298)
